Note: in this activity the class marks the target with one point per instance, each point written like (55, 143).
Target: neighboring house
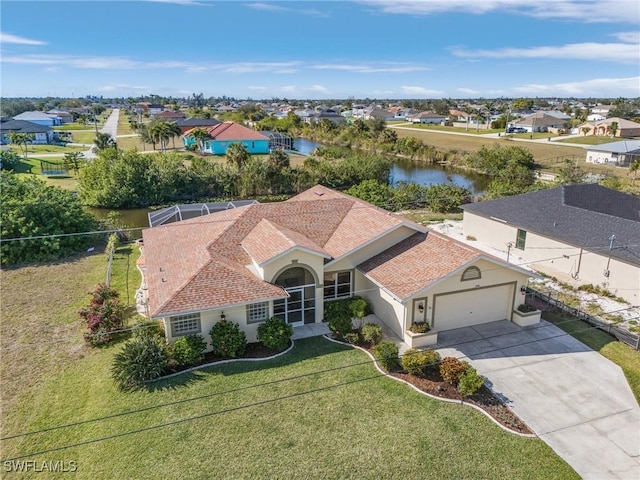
(326, 114)
(625, 128)
(40, 118)
(63, 115)
(170, 116)
(227, 133)
(540, 122)
(41, 134)
(595, 117)
(558, 114)
(602, 109)
(155, 108)
(187, 124)
(618, 153)
(286, 259)
(380, 113)
(581, 234)
(425, 117)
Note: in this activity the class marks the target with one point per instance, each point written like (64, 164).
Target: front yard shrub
(188, 350)
(416, 361)
(386, 354)
(352, 338)
(359, 309)
(227, 339)
(140, 360)
(372, 333)
(103, 316)
(275, 334)
(470, 382)
(451, 369)
(525, 308)
(341, 325)
(419, 327)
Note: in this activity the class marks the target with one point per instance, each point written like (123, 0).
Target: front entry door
(299, 308)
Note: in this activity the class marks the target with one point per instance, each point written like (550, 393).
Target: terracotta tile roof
(417, 262)
(268, 240)
(183, 257)
(229, 131)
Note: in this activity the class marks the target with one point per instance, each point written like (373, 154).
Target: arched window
(471, 273)
(300, 307)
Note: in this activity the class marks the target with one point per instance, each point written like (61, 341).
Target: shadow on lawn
(303, 350)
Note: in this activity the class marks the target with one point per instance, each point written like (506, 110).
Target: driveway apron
(572, 397)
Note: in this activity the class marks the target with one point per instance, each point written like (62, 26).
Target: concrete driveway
(572, 397)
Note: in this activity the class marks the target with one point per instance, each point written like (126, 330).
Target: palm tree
(237, 154)
(175, 131)
(613, 128)
(161, 133)
(634, 167)
(585, 130)
(200, 135)
(104, 141)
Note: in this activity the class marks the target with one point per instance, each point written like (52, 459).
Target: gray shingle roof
(22, 126)
(581, 215)
(624, 146)
(197, 122)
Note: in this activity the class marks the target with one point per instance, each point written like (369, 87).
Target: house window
(337, 285)
(471, 273)
(257, 312)
(521, 239)
(185, 324)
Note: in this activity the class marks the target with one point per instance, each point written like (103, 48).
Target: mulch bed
(484, 398)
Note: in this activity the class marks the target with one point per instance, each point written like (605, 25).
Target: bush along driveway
(572, 397)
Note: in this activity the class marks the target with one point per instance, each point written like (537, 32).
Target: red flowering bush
(103, 316)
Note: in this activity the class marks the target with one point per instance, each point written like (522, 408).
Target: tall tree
(104, 141)
(201, 136)
(73, 161)
(613, 128)
(238, 155)
(634, 167)
(22, 140)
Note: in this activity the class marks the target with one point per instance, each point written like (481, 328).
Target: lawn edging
(448, 400)
(221, 362)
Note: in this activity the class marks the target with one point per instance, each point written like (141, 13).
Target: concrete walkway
(572, 397)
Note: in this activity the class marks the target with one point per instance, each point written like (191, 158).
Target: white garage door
(471, 307)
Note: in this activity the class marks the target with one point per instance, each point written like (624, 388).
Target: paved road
(572, 397)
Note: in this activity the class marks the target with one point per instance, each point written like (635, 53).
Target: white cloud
(612, 52)
(628, 37)
(598, 87)
(318, 89)
(590, 11)
(252, 67)
(122, 87)
(468, 91)
(253, 87)
(389, 67)
(73, 61)
(413, 90)
(181, 2)
(288, 89)
(8, 38)
(271, 7)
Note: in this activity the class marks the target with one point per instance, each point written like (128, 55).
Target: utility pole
(509, 245)
(611, 239)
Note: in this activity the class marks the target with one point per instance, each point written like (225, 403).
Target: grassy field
(321, 410)
(123, 124)
(86, 137)
(441, 128)
(128, 143)
(78, 126)
(626, 357)
(425, 216)
(590, 140)
(36, 149)
(31, 167)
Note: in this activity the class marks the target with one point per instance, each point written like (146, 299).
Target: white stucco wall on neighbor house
(566, 262)
(384, 306)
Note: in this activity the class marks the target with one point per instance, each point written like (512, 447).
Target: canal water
(401, 171)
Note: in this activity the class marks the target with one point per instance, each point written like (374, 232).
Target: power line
(153, 407)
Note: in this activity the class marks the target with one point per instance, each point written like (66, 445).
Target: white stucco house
(286, 259)
(620, 153)
(580, 234)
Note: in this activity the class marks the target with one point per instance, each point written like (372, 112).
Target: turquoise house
(228, 133)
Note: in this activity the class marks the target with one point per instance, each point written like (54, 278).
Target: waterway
(401, 171)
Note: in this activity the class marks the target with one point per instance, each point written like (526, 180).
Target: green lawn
(31, 166)
(83, 137)
(36, 149)
(78, 126)
(257, 420)
(626, 357)
(590, 140)
(471, 130)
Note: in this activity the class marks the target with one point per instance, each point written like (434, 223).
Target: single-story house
(64, 115)
(170, 116)
(40, 118)
(187, 124)
(325, 114)
(377, 113)
(227, 133)
(426, 117)
(580, 234)
(41, 134)
(155, 108)
(540, 122)
(286, 259)
(624, 128)
(620, 153)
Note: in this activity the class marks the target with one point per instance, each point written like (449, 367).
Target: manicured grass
(123, 124)
(529, 136)
(471, 130)
(619, 353)
(128, 143)
(258, 420)
(84, 137)
(425, 216)
(77, 126)
(28, 167)
(590, 140)
(36, 149)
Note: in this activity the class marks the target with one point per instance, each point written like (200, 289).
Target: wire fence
(623, 335)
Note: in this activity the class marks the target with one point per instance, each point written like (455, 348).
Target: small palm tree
(201, 136)
(613, 128)
(585, 130)
(237, 154)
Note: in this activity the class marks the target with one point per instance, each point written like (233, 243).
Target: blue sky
(330, 49)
